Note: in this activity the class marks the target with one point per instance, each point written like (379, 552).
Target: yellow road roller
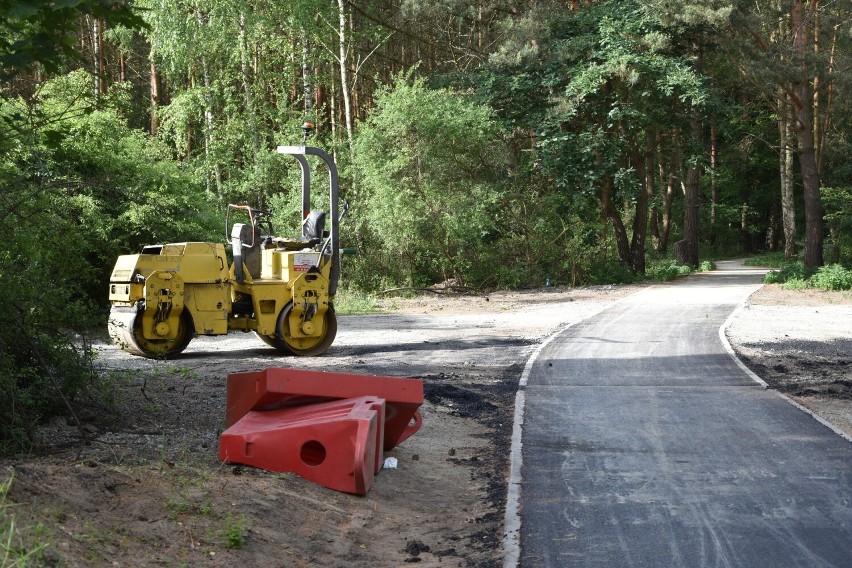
(280, 288)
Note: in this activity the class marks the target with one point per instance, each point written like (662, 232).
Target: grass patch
(792, 276)
(789, 271)
(665, 270)
(832, 277)
(348, 302)
(14, 551)
(795, 284)
(768, 259)
(669, 269)
(234, 531)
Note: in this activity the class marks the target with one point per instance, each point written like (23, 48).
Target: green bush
(430, 171)
(773, 277)
(45, 359)
(75, 193)
(795, 284)
(832, 277)
(770, 259)
(794, 277)
(610, 271)
(837, 201)
(790, 271)
(663, 271)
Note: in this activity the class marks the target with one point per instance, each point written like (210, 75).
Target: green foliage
(115, 187)
(829, 277)
(610, 271)
(837, 202)
(562, 233)
(600, 86)
(354, 302)
(14, 551)
(832, 277)
(429, 186)
(79, 188)
(33, 31)
(795, 284)
(789, 271)
(665, 270)
(234, 531)
(771, 259)
(225, 118)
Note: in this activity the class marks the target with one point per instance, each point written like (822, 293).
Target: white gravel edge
(724, 338)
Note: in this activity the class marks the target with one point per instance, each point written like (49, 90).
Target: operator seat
(313, 227)
(245, 246)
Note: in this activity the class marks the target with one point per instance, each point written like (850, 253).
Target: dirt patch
(775, 295)
(147, 489)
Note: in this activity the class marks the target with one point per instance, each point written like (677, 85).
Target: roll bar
(300, 153)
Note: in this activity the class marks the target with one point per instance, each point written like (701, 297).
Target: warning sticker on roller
(303, 261)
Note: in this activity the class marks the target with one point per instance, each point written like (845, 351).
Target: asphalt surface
(644, 443)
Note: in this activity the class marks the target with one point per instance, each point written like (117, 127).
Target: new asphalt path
(644, 443)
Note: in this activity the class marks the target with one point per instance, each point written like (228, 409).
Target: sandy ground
(147, 488)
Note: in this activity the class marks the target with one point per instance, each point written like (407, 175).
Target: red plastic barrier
(277, 388)
(337, 444)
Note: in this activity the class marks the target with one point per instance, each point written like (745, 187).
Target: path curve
(640, 441)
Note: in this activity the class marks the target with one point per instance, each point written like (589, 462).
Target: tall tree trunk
(98, 58)
(714, 186)
(691, 201)
(155, 98)
(803, 102)
(745, 232)
(307, 80)
(644, 170)
(668, 197)
(612, 215)
(822, 127)
(248, 91)
(332, 100)
(667, 183)
(773, 237)
(101, 57)
(189, 131)
(692, 189)
(654, 209)
(654, 228)
(212, 170)
(785, 164)
(209, 125)
(344, 73)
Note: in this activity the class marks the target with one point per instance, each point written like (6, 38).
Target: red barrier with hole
(337, 444)
(278, 388)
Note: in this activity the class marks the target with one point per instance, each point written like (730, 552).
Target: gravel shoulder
(147, 489)
(800, 343)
